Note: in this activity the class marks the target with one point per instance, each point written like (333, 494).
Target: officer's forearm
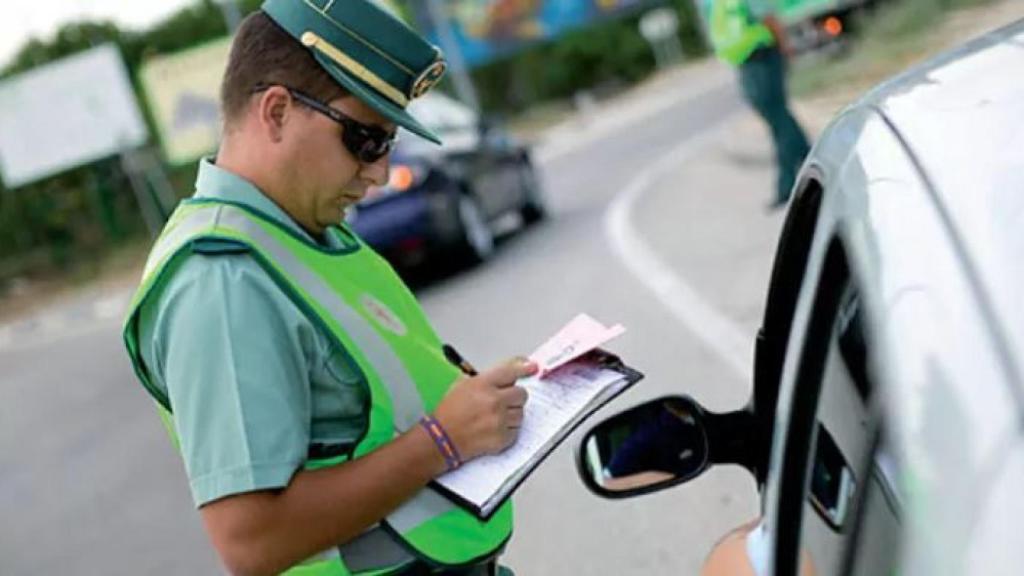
(267, 532)
(778, 30)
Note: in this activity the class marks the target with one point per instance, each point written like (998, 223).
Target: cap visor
(375, 100)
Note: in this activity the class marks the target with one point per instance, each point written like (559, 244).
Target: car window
(443, 114)
(454, 122)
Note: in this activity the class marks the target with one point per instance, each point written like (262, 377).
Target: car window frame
(834, 278)
(791, 263)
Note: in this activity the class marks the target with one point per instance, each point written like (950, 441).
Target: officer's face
(327, 178)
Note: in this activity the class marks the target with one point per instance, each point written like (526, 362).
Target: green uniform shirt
(252, 382)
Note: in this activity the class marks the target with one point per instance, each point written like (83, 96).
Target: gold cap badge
(428, 78)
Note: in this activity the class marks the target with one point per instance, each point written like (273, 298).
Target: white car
(886, 429)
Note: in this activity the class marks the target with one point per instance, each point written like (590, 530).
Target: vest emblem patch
(382, 315)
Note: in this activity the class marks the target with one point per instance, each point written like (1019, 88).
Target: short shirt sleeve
(232, 355)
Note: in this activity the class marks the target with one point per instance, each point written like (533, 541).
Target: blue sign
(489, 29)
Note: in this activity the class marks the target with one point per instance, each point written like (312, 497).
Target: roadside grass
(892, 38)
(535, 120)
(120, 265)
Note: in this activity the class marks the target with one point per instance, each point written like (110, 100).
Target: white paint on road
(710, 325)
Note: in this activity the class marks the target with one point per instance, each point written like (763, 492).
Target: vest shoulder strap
(217, 246)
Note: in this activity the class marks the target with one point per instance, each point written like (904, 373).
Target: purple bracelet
(444, 444)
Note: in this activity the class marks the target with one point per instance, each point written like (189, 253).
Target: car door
(825, 426)
(893, 379)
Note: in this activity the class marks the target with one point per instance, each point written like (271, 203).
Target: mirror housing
(663, 443)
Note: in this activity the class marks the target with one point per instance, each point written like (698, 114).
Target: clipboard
(484, 484)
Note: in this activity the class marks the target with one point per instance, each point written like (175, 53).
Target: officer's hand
(482, 414)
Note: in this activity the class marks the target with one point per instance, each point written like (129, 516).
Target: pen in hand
(455, 358)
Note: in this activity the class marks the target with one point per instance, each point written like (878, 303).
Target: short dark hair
(264, 53)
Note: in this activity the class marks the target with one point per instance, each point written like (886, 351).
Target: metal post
(159, 183)
(464, 87)
(100, 194)
(152, 213)
(660, 27)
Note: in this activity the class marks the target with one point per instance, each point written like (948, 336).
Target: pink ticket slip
(575, 339)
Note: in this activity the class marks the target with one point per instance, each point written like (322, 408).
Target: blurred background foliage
(892, 37)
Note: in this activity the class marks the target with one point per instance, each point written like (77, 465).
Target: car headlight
(832, 26)
(401, 178)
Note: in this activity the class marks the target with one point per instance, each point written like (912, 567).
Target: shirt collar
(216, 183)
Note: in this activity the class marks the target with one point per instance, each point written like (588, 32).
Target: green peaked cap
(374, 55)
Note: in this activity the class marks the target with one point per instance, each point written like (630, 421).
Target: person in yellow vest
(745, 34)
(308, 394)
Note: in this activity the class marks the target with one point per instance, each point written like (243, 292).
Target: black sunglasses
(367, 143)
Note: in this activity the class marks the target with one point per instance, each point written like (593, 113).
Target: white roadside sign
(65, 114)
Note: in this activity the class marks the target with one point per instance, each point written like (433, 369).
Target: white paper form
(581, 335)
(553, 403)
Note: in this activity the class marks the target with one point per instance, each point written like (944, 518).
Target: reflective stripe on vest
(428, 524)
(735, 35)
(408, 408)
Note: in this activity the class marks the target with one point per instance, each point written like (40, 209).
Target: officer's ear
(273, 106)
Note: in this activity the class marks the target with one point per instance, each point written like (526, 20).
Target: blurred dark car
(441, 203)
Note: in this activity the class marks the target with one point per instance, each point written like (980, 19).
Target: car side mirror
(662, 443)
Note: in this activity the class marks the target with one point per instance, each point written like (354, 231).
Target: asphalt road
(90, 485)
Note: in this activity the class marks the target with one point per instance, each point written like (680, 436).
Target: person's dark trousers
(763, 78)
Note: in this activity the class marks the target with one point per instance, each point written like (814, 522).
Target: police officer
(309, 397)
(746, 35)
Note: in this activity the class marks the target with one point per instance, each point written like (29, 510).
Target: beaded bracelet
(444, 444)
